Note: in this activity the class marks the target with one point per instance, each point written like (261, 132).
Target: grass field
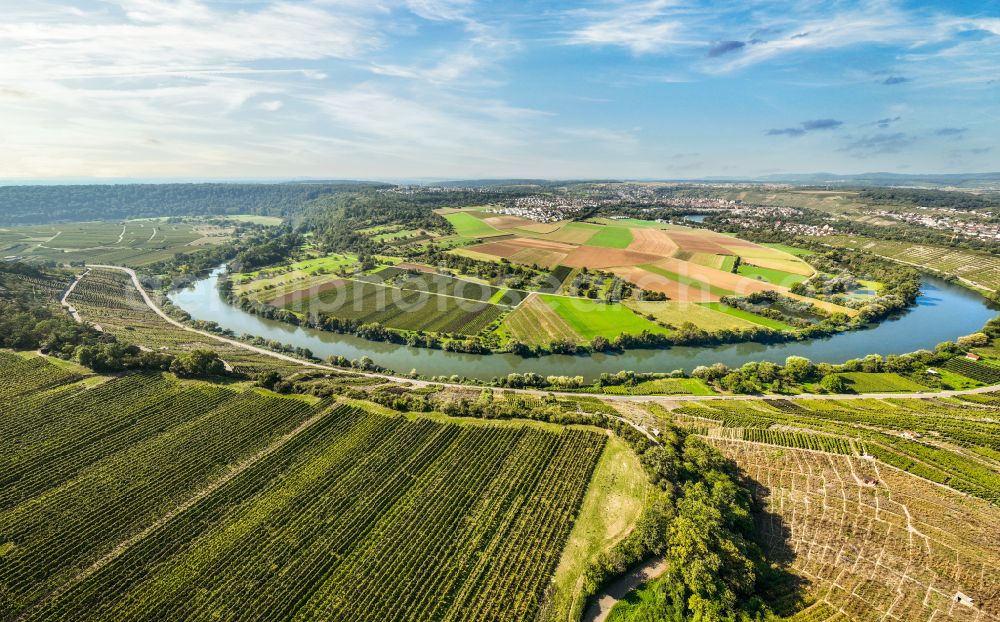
(467, 225)
(746, 315)
(791, 250)
(144, 495)
(676, 313)
(590, 318)
(611, 237)
(614, 501)
(770, 275)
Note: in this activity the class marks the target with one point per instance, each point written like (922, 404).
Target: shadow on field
(783, 590)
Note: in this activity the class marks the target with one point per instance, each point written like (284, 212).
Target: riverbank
(943, 312)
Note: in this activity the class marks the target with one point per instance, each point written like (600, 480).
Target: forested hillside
(24, 205)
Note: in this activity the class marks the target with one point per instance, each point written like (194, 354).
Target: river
(943, 312)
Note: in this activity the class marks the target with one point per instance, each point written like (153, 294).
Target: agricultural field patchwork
(536, 322)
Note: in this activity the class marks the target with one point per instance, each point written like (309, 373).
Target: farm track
(610, 398)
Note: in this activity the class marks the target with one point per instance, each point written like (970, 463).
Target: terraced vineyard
(946, 441)
(871, 542)
(979, 268)
(146, 498)
(108, 299)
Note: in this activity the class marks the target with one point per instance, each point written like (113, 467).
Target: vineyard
(132, 242)
(942, 440)
(406, 309)
(873, 543)
(109, 300)
(141, 497)
(982, 372)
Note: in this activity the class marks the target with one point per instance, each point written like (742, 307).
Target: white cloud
(643, 28)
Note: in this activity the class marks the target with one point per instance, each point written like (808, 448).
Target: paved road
(610, 398)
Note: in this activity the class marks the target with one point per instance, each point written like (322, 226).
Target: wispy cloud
(641, 27)
(878, 144)
(806, 126)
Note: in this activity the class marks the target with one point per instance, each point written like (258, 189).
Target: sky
(393, 89)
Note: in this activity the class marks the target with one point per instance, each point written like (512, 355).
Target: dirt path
(602, 604)
(65, 298)
(610, 398)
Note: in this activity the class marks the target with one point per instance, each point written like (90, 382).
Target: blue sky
(460, 88)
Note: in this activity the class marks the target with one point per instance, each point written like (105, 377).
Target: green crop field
(590, 318)
(791, 250)
(467, 225)
(144, 495)
(746, 315)
(770, 275)
(676, 313)
(611, 236)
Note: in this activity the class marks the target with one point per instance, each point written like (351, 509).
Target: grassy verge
(613, 503)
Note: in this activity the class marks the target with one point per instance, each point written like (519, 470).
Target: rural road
(609, 398)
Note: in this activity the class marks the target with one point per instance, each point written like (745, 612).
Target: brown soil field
(656, 283)
(653, 242)
(416, 266)
(546, 244)
(539, 256)
(302, 294)
(600, 258)
(507, 222)
(699, 242)
(543, 227)
(725, 280)
(572, 235)
(497, 249)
